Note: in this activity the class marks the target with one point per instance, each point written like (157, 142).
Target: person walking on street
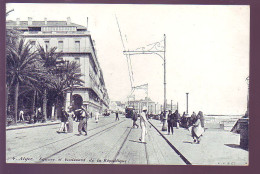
(83, 116)
(170, 121)
(202, 119)
(135, 117)
(143, 124)
(64, 119)
(70, 120)
(21, 115)
(117, 117)
(97, 116)
(161, 117)
(197, 130)
(178, 118)
(193, 118)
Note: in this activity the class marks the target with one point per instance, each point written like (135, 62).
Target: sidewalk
(22, 125)
(217, 147)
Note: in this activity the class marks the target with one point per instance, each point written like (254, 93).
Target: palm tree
(11, 38)
(22, 67)
(67, 77)
(49, 58)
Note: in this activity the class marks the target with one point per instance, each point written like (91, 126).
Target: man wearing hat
(143, 122)
(83, 115)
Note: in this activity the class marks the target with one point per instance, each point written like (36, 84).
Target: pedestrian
(21, 115)
(91, 115)
(202, 119)
(64, 119)
(83, 116)
(97, 116)
(135, 118)
(70, 119)
(197, 130)
(117, 117)
(143, 124)
(77, 114)
(193, 118)
(161, 117)
(170, 121)
(177, 119)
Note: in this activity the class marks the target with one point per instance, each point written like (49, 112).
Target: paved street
(116, 142)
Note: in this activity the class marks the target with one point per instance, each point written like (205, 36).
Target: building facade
(117, 106)
(153, 108)
(76, 44)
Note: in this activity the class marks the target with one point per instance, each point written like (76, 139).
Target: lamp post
(155, 48)
(247, 111)
(187, 103)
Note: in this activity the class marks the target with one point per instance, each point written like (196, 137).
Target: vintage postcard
(127, 84)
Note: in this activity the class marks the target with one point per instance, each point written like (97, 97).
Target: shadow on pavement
(188, 142)
(136, 141)
(235, 146)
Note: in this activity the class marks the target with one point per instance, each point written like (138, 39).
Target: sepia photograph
(127, 84)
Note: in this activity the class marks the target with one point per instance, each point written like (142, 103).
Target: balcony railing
(74, 50)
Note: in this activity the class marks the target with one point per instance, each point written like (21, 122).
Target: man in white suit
(143, 124)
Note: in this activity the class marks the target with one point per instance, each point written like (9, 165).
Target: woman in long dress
(197, 130)
(64, 119)
(97, 117)
(70, 120)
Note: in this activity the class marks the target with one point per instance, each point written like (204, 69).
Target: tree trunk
(56, 111)
(33, 107)
(44, 112)
(7, 99)
(16, 102)
(71, 93)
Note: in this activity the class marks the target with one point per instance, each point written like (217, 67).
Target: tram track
(118, 152)
(40, 147)
(184, 159)
(122, 144)
(78, 142)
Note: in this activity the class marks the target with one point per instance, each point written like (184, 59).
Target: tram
(129, 112)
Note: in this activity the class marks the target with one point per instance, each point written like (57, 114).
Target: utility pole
(155, 108)
(171, 105)
(157, 49)
(247, 112)
(187, 103)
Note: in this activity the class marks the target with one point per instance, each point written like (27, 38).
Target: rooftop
(42, 23)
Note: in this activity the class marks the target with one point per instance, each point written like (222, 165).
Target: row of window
(59, 28)
(60, 45)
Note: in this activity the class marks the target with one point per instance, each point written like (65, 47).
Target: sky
(207, 49)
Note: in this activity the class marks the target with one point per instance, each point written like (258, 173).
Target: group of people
(38, 116)
(194, 123)
(173, 120)
(82, 116)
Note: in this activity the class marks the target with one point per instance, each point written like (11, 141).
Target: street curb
(24, 127)
(172, 146)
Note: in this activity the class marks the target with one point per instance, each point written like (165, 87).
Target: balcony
(75, 50)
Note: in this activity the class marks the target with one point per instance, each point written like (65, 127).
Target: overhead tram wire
(131, 79)
(130, 63)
